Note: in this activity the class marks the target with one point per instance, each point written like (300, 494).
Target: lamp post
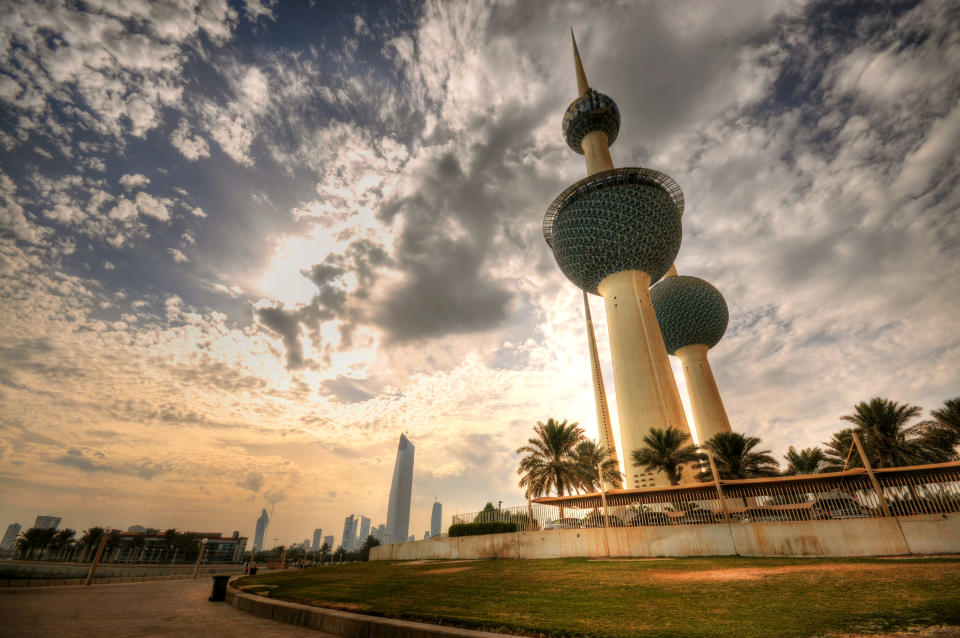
(196, 568)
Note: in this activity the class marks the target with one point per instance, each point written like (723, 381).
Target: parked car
(564, 523)
(838, 505)
(697, 516)
(654, 518)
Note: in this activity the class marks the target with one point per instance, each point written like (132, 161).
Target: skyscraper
(381, 532)
(398, 507)
(316, 539)
(436, 518)
(262, 523)
(613, 234)
(364, 529)
(329, 541)
(13, 530)
(349, 533)
(47, 522)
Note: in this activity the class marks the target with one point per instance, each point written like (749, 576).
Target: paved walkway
(162, 608)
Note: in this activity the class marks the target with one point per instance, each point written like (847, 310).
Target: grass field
(695, 597)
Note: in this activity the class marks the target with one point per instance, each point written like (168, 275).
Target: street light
(196, 568)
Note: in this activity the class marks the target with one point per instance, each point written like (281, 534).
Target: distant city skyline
(317, 533)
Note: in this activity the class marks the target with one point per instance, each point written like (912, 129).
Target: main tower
(613, 234)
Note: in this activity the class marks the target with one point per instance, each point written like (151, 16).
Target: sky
(245, 245)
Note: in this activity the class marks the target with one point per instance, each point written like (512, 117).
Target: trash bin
(253, 570)
(219, 588)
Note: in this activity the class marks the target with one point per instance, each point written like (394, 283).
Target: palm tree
(32, 542)
(807, 461)
(837, 451)
(91, 540)
(368, 544)
(324, 551)
(941, 434)
(550, 462)
(138, 542)
(170, 540)
(589, 456)
(339, 554)
(736, 458)
(62, 540)
(887, 437)
(666, 451)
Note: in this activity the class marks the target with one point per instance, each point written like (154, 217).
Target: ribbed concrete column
(634, 352)
(709, 415)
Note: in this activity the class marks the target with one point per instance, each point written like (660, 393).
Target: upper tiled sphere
(689, 311)
(614, 228)
(590, 112)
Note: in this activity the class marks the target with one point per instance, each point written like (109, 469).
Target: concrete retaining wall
(14, 569)
(926, 534)
(343, 623)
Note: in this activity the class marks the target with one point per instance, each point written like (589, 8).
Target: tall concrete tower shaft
(613, 234)
(604, 427)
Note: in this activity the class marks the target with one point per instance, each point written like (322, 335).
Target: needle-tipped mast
(582, 84)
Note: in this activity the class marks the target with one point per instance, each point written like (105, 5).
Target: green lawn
(725, 596)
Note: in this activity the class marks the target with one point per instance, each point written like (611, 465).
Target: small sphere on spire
(590, 112)
(690, 311)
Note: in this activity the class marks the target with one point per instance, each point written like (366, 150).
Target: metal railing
(921, 490)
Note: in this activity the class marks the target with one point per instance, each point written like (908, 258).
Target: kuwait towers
(613, 234)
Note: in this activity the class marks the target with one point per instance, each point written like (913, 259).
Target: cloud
(132, 181)
(252, 481)
(191, 147)
(178, 256)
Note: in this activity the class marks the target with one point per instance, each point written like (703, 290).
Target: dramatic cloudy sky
(243, 246)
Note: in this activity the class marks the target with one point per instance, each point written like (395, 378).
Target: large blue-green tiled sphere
(590, 112)
(689, 311)
(616, 227)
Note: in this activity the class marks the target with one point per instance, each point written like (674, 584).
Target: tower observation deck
(613, 234)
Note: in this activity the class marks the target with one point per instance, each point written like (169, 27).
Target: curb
(343, 623)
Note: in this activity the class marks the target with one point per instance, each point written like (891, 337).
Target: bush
(474, 529)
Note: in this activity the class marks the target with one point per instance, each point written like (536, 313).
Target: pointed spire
(582, 84)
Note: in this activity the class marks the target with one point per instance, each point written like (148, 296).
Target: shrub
(473, 529)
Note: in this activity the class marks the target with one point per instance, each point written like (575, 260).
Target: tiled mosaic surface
(619, 227)
(689, 310)
(590, 112)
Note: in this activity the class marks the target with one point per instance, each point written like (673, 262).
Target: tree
(807, 461)
(138, 542)
(837, 450)
(487, 514)
(324, 551)
(91, 540)
(589, 456)
(31, 543)
(170, 541)
(883, 427)
(736, 458)
(940, 435)
(339, 554)
(62, 540)
(549, 462)
(368, 544)
(666, 451)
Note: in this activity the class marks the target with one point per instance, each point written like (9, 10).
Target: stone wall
(925, 534)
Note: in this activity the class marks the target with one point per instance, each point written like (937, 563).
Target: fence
(910, 491)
